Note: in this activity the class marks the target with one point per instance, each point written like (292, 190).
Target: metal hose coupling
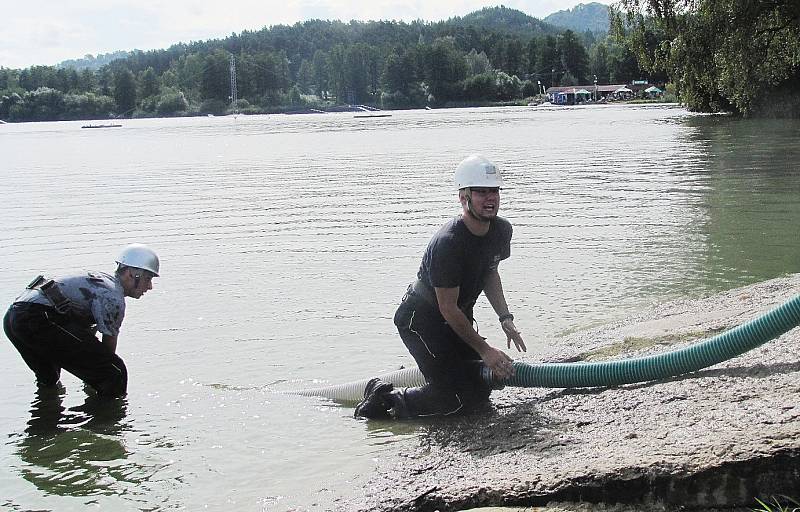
(488, 377)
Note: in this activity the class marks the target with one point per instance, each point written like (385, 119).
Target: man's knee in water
(111, 388)
(115, 384)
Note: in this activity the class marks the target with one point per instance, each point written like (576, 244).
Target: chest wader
(452, 368)
(73, 345)
(58, 301)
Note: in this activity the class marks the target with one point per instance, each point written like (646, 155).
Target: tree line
(737, 56)
(493, 55)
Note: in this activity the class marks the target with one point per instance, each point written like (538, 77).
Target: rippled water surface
(286, 243)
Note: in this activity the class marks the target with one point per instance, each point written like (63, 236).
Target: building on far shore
(576, 94)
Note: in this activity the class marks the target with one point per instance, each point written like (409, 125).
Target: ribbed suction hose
(354, 391)
(695, 357)
(721, 347)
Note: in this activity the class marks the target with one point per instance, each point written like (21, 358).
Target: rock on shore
(718, 437)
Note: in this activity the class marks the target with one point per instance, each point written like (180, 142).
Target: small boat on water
(101, 126)
(372, 115)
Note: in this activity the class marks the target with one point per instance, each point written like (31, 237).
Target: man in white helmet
(54, 323)
(435, 317)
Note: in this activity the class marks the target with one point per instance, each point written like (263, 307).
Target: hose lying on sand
(709, 352)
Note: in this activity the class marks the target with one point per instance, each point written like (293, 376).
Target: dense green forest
(738, 56)
(582, 17)
(741, 57)
(95, 62)
(492, 55)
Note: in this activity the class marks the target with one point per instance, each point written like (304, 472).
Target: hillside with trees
(505, 20)
(93, 62)
(592, 17)
(489, 56)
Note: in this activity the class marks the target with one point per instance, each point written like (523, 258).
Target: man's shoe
(374, 405)
(398, 409)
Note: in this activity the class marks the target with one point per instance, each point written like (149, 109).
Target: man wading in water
(53, 324)
(435, 316)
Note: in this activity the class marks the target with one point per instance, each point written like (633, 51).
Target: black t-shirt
(456, 257)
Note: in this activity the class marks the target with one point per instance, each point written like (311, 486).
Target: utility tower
(233, 84)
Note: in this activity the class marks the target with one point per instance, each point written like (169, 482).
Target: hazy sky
(50, 31)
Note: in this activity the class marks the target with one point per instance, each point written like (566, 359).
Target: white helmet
(477, 171)
(139, 256)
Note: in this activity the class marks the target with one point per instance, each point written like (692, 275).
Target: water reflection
(613, 208)
(753, 199)
(75, 451)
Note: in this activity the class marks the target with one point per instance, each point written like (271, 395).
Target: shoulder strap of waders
(50, 289)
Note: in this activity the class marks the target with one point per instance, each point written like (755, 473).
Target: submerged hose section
(695, 357)
(354, 391)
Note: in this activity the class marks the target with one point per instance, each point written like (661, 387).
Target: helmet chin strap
(477, 216)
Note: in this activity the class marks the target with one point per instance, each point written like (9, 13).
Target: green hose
(721, 347)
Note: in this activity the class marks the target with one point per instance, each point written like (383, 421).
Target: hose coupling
(488, 377)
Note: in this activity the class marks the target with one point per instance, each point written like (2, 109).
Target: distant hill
(89, 61)
(504, 19)
(490, 19)
(582, 17)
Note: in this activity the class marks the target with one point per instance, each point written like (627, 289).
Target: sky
(46, 32)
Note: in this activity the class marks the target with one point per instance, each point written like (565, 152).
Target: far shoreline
(349, 109)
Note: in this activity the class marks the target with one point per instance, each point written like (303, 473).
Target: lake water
(286, 243)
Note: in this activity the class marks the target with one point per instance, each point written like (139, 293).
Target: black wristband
(507, 316)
